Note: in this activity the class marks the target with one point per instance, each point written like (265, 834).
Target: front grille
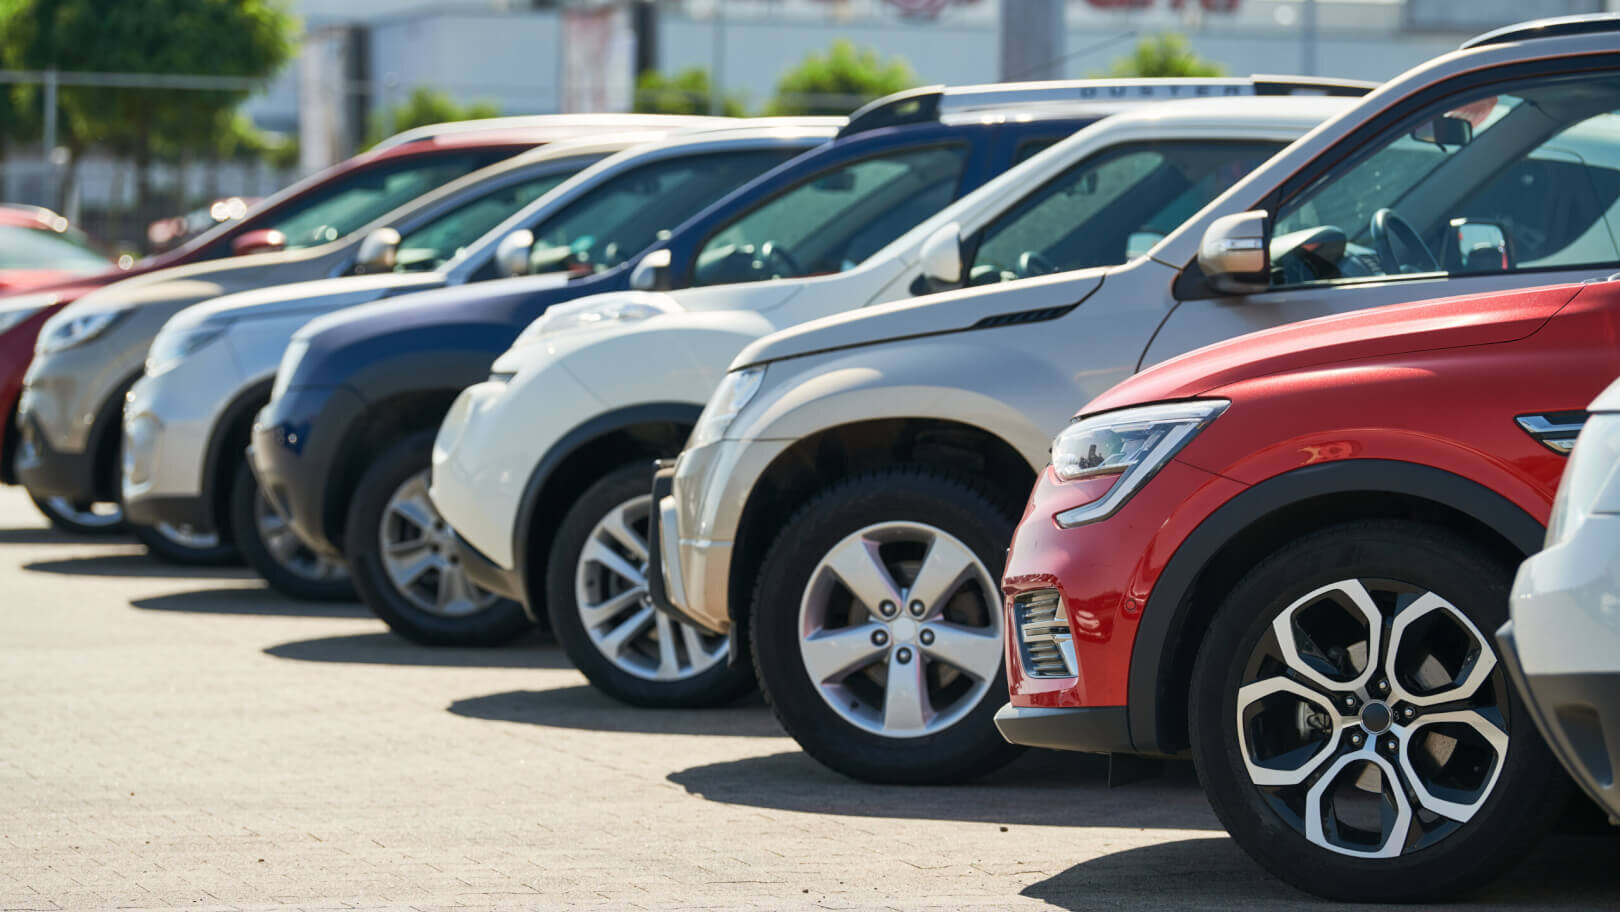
(1045, 642)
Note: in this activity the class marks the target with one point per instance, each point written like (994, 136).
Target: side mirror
(378, 252)
(941, 258)
(1233, 254)
(652, 273)
(512, 253)
(263, 240)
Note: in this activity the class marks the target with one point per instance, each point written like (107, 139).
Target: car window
(34, 248)
(435, 243)
(1516, 177)
(354, 200)
(835, 220)
(628, 212)
(1030, 148)
(1111, 207)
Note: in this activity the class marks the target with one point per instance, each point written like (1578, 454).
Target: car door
(1505, 185)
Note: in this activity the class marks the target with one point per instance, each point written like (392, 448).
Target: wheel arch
(649, 430)
(380, 425)
(231, 433)
(1262, 518)
(817, 460)
(107, 440)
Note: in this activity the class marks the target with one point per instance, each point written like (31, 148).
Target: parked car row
(787, 403)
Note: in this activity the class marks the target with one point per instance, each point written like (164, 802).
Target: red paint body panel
(1438, 384)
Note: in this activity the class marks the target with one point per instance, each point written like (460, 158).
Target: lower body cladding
(295, 442)
(1563, 648)
(1349, 719)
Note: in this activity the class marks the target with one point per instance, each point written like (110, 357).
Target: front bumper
(295, 444)
(490, 575)
(709, 489)
(46, 470)
(168, 422)
(1102, 574)
(1562, 649)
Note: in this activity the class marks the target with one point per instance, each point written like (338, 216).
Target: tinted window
(352, 201)
(627, 213)
(835, 220)
(435, 243)
(1111, 207)
(1523, 176)
(32, 248)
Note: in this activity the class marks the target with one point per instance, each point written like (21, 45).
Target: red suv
(1284, 555)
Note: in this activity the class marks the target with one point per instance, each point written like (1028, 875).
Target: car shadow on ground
(1041, 787)
(255, 601)
(1565, 872)
(585, 707)
(534, 651)
(47, 535)
(134, 562)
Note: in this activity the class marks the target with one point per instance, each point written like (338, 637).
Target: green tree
(1164, 55)
(423, 108)
(245, 39)
(686, 92)
(839, 81)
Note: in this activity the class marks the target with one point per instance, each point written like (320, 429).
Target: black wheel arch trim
(108, 431)
(216, 487)
(590, 429)
(1167, 610)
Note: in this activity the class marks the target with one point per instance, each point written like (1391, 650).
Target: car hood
(952, 311)
(1374, 333)
(195, 281)
(477, 302)
(315, 296)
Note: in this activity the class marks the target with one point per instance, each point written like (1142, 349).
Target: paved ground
(186, 739)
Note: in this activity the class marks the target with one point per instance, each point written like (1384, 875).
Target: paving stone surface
(182, 738)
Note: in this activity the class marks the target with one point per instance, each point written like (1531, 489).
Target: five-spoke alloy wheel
(877, 627)
(269, 545)
(596, 596)
(1351, 722)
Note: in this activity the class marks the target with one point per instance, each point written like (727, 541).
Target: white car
(1117, 185)
(1562, 641)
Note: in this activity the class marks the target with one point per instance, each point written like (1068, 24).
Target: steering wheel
(1031, 264)
(770, 250)
(1388, 227)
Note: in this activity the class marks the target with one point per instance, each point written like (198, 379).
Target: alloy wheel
(90, 516)
(419, 553)
(610, 593)
(1373, 718)
(900, 629)
(288, 550)
(188, 537)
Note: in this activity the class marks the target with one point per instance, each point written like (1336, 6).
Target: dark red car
(39, 247)
(1285, 555)
(347, 195)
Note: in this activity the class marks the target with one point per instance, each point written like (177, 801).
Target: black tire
(64, 521)
(170, 550)
(963, 751)
(718, 685)
(1441, 859)
(331, 584)
(405, 460)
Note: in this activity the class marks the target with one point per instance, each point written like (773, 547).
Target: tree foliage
(688, 92)
(839, 81)
(1165, 55)
(422, 108)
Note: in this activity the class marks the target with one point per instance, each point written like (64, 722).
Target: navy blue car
(343, 448)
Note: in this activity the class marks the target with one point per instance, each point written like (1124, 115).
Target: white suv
(1113, 188)
(910, 435)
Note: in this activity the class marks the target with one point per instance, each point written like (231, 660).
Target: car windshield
(40, 248)
(1111, 207)
(1521, 176)
(835, 220)
(440, 240)
(354, 200)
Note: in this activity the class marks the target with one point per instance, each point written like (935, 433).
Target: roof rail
(1555, 27)
(536, 121)
(930, 103)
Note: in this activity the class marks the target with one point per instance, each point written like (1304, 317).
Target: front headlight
(1131, 445)
(730, 398)
(60, 334)
(1591, 478)
(17, 308)
(296, 349)
(614, 310)
(170, 348)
